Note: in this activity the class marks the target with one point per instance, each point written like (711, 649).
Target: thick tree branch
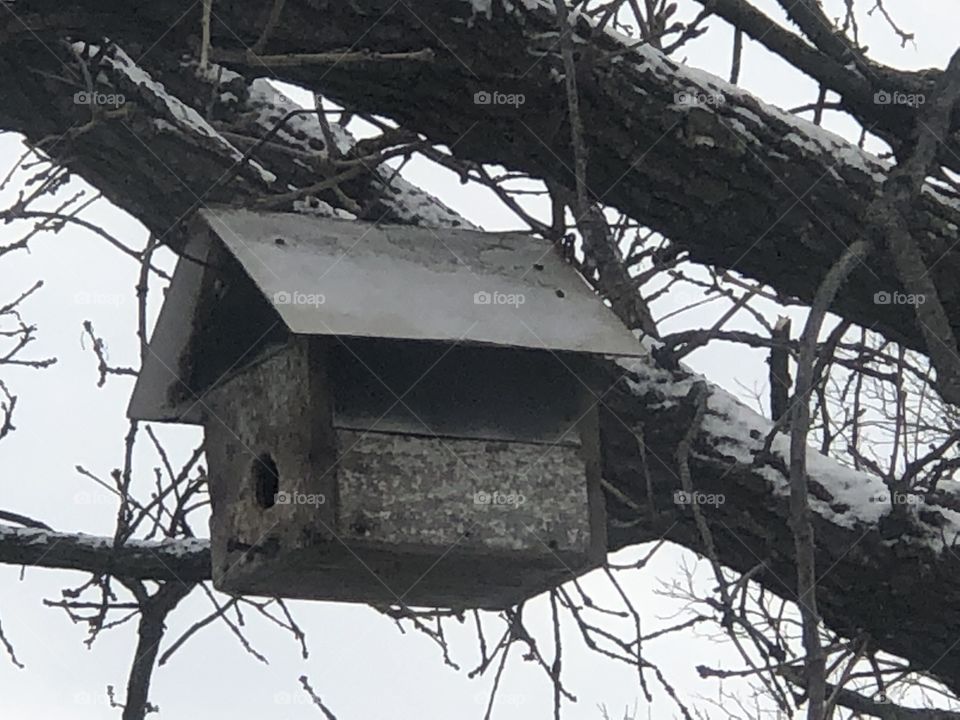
(181, 560)
(770, 197)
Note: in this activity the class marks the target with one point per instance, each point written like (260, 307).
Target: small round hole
(279, 241)
(266, 481)
(560, 293)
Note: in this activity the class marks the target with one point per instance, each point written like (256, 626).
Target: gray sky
(359, 663)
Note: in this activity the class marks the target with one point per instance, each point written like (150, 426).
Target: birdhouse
(392, 414)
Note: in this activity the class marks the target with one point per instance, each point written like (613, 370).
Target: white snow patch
(316, 206)
(164, 125)
(744, 133)
(183, 116)
(803, 143)
(482, 7)
(217, 73)
(748, 114)
(935, 192)
(806, 134)
(180, 547)
(857, 498)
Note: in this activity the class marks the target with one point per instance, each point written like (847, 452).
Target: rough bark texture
(151, 627)
(186, 561)
(769, 198)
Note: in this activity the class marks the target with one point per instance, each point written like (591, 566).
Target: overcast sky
(363, 667)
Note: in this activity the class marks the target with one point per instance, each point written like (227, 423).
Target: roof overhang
(339, 277)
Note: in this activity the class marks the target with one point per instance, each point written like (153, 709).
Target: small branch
(779, 375)
(800, 513)
(876, 707)
(888, 214)
(9, 648)
(205, 34)
(251, 58)
(275, 12)
(98, 349)
(305, 682)
(22, 520)
(154, 610)
(186, 560)
(737, 54)
(600, 250)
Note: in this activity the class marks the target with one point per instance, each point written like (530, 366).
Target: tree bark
(773, 197)
(185, 561)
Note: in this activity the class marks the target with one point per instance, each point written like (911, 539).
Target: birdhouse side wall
(270, 420)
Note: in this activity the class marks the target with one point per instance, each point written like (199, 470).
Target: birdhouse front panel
(492, 520)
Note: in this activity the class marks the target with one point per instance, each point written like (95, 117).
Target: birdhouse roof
(327, 276)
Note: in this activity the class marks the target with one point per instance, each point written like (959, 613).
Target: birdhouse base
(378, 575)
